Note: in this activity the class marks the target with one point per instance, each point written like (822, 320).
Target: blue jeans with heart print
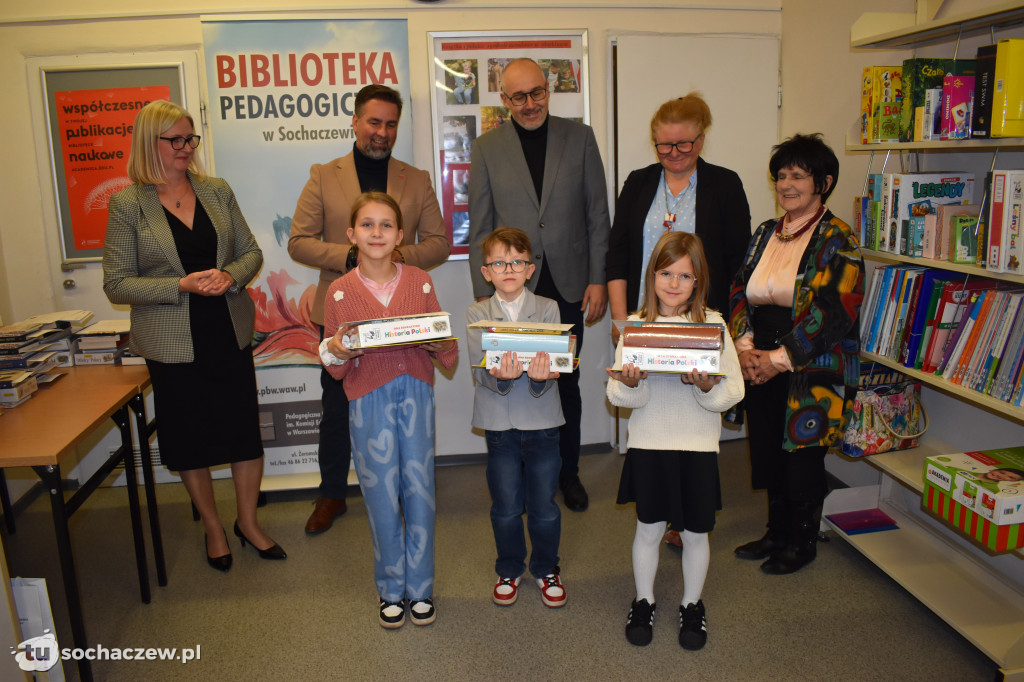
(392, 431)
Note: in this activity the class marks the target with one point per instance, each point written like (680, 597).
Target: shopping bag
(887, 413)
(38, 652)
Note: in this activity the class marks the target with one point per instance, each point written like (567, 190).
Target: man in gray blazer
(319, 239)
(544, 175)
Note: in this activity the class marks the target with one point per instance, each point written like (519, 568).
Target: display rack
(978, 594)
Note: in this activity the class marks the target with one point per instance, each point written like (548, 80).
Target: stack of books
(970, 332)
(674, 347)
(16, 386)
(29, 346)
(102, 343)
(526, 340)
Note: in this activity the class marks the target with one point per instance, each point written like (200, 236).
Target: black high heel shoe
(274, 552)
(221, 563)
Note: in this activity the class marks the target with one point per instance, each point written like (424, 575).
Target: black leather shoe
(789, 560)
(274, 552)
(221, 563)
(574, 494)
(759, 549)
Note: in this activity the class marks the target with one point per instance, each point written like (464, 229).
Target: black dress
(207, 409)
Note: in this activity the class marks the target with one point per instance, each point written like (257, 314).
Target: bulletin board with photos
(466, 100)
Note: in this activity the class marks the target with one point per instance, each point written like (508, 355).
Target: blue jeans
(522, 472)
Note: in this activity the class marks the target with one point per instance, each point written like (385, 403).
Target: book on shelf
(984, 89)
(911, 276)
(949, 313)
(1013, 214)
(957, 227)
(995, 304)
(919, 75)
(996, 214)
(867, 309)
(923, 297)
(957, 95)
(1008, 98)
(1000, 341)
(882, 301)
(931, 316)
(1010, 363)
(863, 521)
(961, 336)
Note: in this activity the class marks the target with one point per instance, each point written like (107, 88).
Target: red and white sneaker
(552, 593)
(506, 591)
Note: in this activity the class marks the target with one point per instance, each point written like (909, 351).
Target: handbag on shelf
(887, 413)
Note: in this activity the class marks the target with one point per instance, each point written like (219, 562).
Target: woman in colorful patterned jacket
(793, 316)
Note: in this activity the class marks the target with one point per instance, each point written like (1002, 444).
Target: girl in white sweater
(671, 466)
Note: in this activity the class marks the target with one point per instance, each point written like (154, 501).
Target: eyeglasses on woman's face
(683, 146)
(178, 142)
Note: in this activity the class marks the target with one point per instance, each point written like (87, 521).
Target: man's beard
(376, 151)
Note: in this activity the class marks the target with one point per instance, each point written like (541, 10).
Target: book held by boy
(526, 339)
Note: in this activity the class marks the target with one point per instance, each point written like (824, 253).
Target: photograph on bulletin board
(465, 97)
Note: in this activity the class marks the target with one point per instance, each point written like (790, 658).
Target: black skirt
(207, 411)
(677, 486)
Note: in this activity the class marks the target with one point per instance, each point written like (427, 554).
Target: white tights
(696, 556)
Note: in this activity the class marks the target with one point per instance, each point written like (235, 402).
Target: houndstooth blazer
(141, 267)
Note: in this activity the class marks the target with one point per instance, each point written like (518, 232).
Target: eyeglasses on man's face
(179, 142)
(683, 146)
(537, 95)
(500, 266)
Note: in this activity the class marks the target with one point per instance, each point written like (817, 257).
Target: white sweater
(671, 415)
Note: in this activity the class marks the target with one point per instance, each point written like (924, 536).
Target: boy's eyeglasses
(500, 266)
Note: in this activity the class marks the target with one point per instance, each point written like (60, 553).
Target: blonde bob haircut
(145, 167)
(671, 247)
(690, 108)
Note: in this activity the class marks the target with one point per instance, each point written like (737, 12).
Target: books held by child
(398, 331)
(673, 347)
(526, 339)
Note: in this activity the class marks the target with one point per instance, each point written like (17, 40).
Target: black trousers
(795, 475)
(335, 448)
(568, 383)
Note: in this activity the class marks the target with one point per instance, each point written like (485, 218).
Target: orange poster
(95, 128)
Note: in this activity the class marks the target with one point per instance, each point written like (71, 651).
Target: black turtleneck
(535, 144)
(372, 173)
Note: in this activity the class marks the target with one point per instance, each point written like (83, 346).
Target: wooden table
(43, 431)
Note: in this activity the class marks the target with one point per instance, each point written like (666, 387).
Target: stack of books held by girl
(674, 347)
(526, 339)
(397, 331)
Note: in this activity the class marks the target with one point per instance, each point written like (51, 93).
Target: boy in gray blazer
(520, 414)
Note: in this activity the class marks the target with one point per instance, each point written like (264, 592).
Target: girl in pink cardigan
(391, 407)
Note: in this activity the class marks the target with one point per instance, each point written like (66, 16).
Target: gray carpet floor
(314, 616)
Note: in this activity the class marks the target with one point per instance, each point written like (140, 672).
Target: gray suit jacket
(141, 267)
(518, 408)
(568, 227)
(322, 217)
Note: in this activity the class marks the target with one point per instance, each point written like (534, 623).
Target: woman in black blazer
(180, 253)
(681, 192)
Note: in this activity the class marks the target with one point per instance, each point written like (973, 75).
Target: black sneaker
(640, 623)
(392, 614)
(422, 611)
(693, 626)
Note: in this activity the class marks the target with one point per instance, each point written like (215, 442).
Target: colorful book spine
(994, 250)
(1013, 214)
